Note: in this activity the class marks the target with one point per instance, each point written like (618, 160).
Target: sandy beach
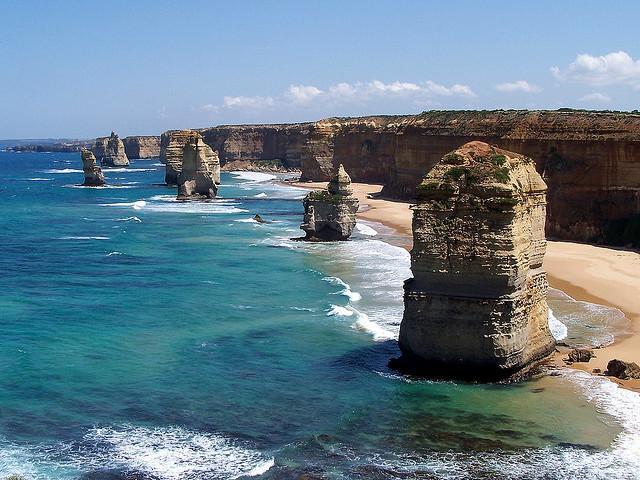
(606, 276)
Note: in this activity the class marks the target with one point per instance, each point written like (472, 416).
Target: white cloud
(518, 86)
(360, 92)
(616, 68)
(248, 102)
(303, 93)
(595, 97)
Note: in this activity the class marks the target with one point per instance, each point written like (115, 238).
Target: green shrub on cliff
(324, 196)
(502, 175)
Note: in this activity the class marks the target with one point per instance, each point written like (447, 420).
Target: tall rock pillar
(476, 305)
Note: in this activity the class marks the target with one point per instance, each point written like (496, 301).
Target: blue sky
(83, 68)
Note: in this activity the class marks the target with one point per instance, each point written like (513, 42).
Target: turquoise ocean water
(143, 338)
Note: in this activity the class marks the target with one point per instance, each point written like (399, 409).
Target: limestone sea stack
(476, 305)
(93, 176)
(199, 172)
(330, 214)
(109, 151)
(172, 145)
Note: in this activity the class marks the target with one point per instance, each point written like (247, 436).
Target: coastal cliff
(138, 146)
(171, 150)
(590, 160)
(476, 305)
(109, 151)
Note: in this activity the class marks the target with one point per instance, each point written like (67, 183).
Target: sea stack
(172, 145)
(199, 172)
(476, 305)
(109, 151)
(93, 176)
(330, 214)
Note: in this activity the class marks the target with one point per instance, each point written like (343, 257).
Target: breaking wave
(62, 170)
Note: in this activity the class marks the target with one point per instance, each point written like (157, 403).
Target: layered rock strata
(109, 151)
(137, 147)
(199, 172)
(590, 160)
(330, 214)
(476, 305)
(172, 145)
(93, 176)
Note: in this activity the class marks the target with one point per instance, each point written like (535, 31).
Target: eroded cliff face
(109, 151)
(590, 160)
(281, 143)
(142, 146)
(476, 306)
(171, 151)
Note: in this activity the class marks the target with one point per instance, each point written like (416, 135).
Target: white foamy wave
(128, 219)
(364, 229)
(62, 170)
(379, 333)
(82, 238)
(253, 177)
(245, 220)
(123, 169)
(98, 187)
(169, 203)
(260, 195)
(558, 329)
(346, 291)
(38, 179)
(337, 310)
(137, 205)
(174, 453)
(114, 253)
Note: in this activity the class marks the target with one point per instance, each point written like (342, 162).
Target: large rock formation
(330, 214)
(109, 151)
(590, 160)
(171, 151)
(93, 176)
(476, 306)
(200, 171)
(142, 146)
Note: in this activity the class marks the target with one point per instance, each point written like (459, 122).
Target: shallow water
(147, 338)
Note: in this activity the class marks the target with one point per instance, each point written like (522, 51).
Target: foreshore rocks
(476, 305)
(139, 147)
(93, 176)
(623, 370)
(109, 151)
(199, 171)
(330, 215)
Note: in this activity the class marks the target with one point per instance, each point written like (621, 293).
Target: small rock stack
(476, 306)
(93, 176)
(199, 171)
(330, 214)
(109, 151)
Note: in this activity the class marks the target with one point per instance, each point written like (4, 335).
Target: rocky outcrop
(476, 305)
(270, 166)
(580, 355)
(93, 176)
(590, 160)
(623, 370)
(172, 145)
(330, 214)
(137, 147)
(109, 151)
(199, 172)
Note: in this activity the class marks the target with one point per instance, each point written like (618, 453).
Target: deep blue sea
(145, 338)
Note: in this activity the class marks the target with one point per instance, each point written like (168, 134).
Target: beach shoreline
(605, 276)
